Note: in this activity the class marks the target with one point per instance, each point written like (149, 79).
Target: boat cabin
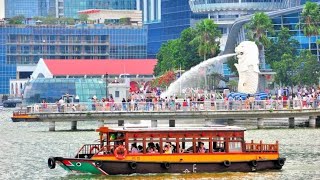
(172, 140)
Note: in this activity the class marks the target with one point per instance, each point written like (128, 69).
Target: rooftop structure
(129, 17)
(50, 68)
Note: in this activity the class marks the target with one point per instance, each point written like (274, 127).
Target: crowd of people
(279, 98)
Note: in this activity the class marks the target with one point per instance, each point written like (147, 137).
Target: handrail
(260, 147)
(87, 149)
(172, 106)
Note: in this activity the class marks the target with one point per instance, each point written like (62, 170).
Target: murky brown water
(25, 147)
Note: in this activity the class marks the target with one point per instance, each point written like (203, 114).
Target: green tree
(207, 34)
(286, 70)
(259, 24)
(188, 51)
(310, 18)
(83, 17)
(282, 44)
(17, 19)
(167, 56)
(308, 68)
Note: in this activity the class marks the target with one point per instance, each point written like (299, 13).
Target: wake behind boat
(171, 150)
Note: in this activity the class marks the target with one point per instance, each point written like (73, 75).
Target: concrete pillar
(312, 121)
(73, 125)
(260, 123)
(52, 126)
(172, 123)
(154, 123)
(120, 122)
(207, 122)
(291, 122)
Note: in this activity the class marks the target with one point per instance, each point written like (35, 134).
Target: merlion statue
(248, 67)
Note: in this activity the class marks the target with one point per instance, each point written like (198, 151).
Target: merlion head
(247, 53)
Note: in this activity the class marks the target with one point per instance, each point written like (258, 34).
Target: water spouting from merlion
(248, 69)
(187, 77)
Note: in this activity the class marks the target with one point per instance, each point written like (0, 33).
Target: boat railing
(88, 150)
(20, 113)
(260, 147)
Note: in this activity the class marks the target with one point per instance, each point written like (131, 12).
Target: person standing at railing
(124, 104)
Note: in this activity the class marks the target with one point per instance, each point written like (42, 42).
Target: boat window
(235, 144)
(186, 144)
(169, 145)
(218, 144)
(153, 145)
(135, 145)
(202, 145)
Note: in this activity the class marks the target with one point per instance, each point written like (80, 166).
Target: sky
(1, 9)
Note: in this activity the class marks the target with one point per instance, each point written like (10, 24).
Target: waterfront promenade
(202, 111)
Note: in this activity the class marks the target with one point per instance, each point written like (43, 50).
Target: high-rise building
(28, 9)
(22, 47)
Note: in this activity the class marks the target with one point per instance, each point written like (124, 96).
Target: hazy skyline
(1, 9)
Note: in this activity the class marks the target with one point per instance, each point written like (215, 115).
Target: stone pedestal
(260, 123)
(52, 126)
(154, 123)
(291, 122)
(312, 121)
(73, 125)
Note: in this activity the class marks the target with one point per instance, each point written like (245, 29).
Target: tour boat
(171, 150)
(23, 116)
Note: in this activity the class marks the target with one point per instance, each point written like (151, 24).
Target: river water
(25, 148)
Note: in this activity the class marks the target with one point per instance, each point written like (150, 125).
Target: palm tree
(309, 21)
(207, 34)
(259, 24)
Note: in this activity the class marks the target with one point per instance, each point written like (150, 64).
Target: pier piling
(291, 122)
(120, 123)
(312, 121)
(154, 123)
(52, 126)
(73, 125)
(172, 123)
(260, 123)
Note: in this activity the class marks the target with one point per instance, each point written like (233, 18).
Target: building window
(117, 94)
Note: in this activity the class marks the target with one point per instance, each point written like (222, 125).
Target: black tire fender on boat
(98, 164)
(227, 163)
(281, 161)
(253, 163)
(166, 165)
(51, 162)
(133, 165)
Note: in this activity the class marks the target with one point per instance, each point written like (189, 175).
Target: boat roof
(173, 129)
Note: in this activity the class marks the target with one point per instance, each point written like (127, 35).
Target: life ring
(227, 163)
(133, 165)
(51, 163)
(253, 163)
(121, 149)
(93, 148)
(166, 165)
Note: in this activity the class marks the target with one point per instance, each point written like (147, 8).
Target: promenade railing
(207, 105)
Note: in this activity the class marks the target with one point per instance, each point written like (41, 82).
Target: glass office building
(51, 90)
(25, 45)
(27, 8)
(175, 17)
(71, 7)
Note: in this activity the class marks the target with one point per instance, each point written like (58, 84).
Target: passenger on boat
(151, 148)
(140, 148)
(201, 148)
(134, 148)
(168, 148)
